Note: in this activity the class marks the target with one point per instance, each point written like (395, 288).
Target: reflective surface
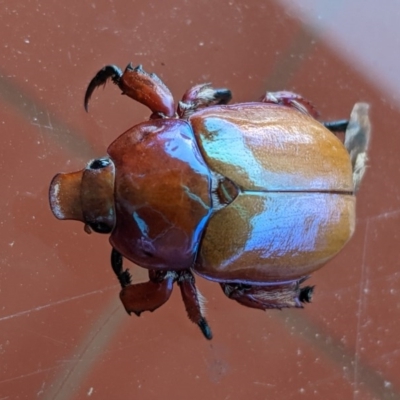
(275, 236)
(267, 147)
(64, 333)
(162, 197)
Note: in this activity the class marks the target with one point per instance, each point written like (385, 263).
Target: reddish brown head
(86, 195)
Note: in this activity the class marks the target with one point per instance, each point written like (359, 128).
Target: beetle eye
(99, 163)
(100, 227)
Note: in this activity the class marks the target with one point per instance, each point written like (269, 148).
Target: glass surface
(63, 331)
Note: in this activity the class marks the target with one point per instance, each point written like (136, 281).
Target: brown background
(63, 331)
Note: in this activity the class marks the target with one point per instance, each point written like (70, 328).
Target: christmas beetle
(254, 196)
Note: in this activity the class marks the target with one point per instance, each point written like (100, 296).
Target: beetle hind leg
(280, 295)
(357, 134)
(357, 137)
(194, 302)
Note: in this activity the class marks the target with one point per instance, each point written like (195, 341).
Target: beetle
(254, 196)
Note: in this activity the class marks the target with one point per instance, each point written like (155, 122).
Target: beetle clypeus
(254, 196)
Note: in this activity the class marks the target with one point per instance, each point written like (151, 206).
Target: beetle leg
(146, 296)
(281, 295)
(124, 277)
(194, 302)
(357, 137)
(201, 96)
(357, 134)
(136, 83)
(291, 99)
(149, 90)
(337, 126)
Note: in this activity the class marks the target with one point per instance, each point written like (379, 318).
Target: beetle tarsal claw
(125, 278)
(137, 313)
(108, 72)
(205, 329)
(306, 293)
(87, 229)
(194, 302)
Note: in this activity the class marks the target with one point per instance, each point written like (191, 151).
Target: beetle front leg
(100, 79)
(202, 96)
(193, 302)
(136, 83)
(146, 296)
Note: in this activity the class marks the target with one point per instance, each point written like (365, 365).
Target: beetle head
(86, 195)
